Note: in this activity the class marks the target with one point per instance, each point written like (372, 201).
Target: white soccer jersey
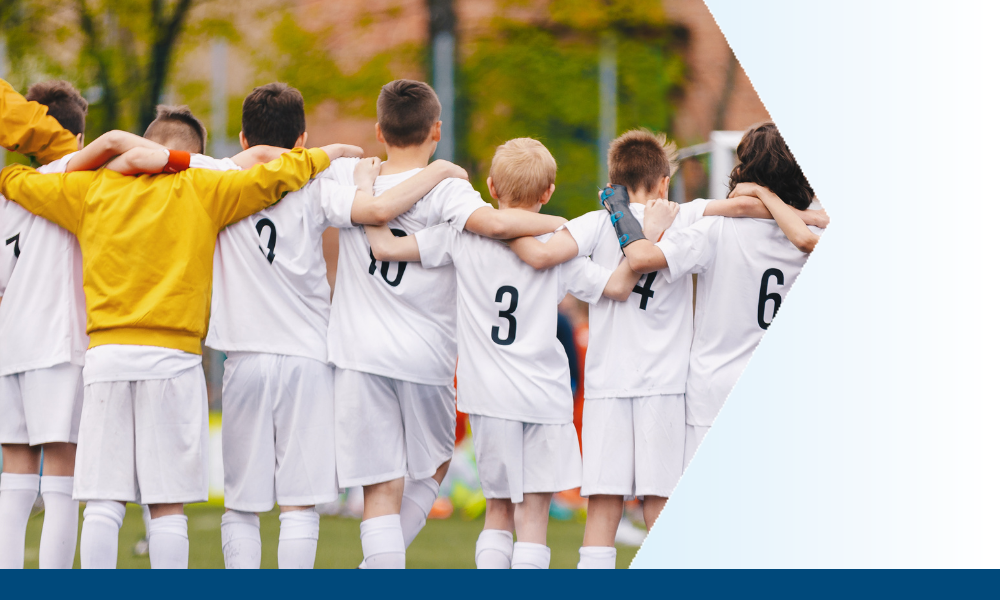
(745, 267)
(269, 291)
(392, 319)
(510, 366)
(639, 347)
(43, 316)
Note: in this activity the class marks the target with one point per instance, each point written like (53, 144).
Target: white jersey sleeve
(332, 201)
(437, 245)
(586, 230)
(689, 214)
(691, 249)
(453, 201)
(200, 161)
(583, 278)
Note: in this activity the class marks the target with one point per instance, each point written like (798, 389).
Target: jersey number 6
(779, 278)
(506, 314)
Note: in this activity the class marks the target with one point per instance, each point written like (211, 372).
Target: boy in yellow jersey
(27, 128)
(147, 244)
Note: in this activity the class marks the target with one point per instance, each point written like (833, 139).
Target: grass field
(446, 543)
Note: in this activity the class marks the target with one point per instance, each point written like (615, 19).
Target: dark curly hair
(764, 158)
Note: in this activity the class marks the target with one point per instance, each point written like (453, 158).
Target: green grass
(447, 543)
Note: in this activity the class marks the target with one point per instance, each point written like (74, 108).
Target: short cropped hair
(765, 159)
(177, 124)
(64, 102)
(639, 159)
(407, 111)
(274, 115)
(522, 171)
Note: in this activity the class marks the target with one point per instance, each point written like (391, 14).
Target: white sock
(530, 556)
(99, 538)
(241, 540)
(382, 543)
(597, 557)
(62, 522)
(298, 538)
(494, 549)
(17, 495)
(146, 518)
(418, 498)
(168, 542)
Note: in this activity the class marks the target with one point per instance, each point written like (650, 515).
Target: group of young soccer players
(124, 256)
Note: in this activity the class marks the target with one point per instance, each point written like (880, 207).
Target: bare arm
(622, 281)
(785, 216)
(558, 249)
(379, 210)
(138, 161)
(113, 143)
(754, 208)
(388, 247)
(508, 224)
(644, 257)
(257, 155)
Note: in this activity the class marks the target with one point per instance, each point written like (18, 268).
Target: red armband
(178, 161)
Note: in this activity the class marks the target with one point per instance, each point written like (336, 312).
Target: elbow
(380, 253)
(642, 264)
(618, 293)
(807, 243)
(380, 216)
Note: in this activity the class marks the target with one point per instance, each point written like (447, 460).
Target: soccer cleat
(615, 200)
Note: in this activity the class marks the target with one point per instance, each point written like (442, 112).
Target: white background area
(866, 430)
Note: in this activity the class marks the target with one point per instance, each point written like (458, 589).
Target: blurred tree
(125, 48)
(539, 78)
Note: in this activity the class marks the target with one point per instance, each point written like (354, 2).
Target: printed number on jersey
(508, 314)
(14, 240)
(272, 238)
(400, 268)
(773, 297)
(645, 289)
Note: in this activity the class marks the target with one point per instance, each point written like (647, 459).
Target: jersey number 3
(775, 297)
(506, 314)
(272, 238)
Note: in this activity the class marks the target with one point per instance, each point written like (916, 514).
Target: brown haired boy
(513, 377)
(270, 315)
(42, 343)
(392, 335)
(633, 419)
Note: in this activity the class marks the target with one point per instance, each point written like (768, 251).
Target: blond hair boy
(513, 374)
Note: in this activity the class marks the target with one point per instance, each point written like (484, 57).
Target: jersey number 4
(272, 238)
(385, 265)
(506, 314)
(646, 290)
(14, 240)
(775, 297)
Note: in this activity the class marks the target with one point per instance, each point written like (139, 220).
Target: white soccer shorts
(144, 441)
(41, 406)
(515, 458)
(633, 446)
(277, 432)
(388, 428)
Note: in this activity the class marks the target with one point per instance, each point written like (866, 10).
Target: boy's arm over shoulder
(540, 255)
(27, 128)
(681, 252)
(512, 223)
(754, 208)
(233, 195)
(379, 210)
(113, 143)
(57, 197)
(388, 247)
